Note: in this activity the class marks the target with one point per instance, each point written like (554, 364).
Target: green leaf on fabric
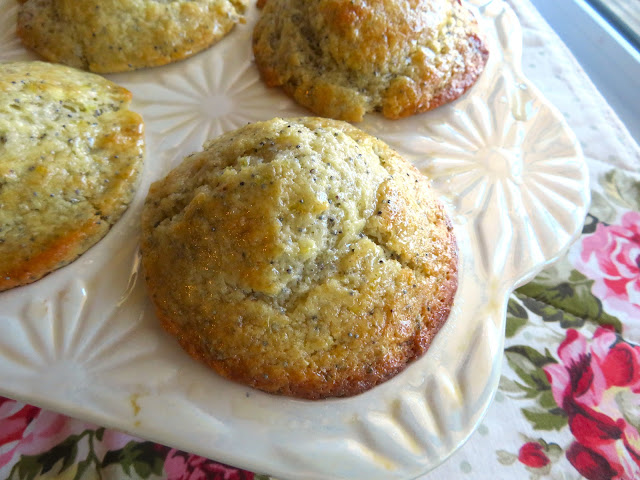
(27, 468)
(61, 456)
(536, 358)
(517, 317)
(142, 457)
(111, 457)
(65, 451)
(528, 364)
(554, 451)
(516, 310)
(568, 302)
(576, 277)
(600, 211)
(546, 400)
(506, 458)
(622, 189)
(555, 419)
(83, 466)
(513, 326)
(142, 469)
(550, 313)
(509, 386)
(590, 224)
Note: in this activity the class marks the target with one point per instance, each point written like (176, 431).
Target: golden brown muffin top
(70, 156)
(300, 256)
(119, 35)
(344, 58)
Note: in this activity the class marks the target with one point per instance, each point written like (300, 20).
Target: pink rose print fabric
(597, 383)
(611, 256)
(183, 466)
(35, 444)
(27, 429)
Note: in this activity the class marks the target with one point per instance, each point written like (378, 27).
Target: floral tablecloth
(568, 405)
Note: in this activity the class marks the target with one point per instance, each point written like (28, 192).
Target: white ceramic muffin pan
(84, 340)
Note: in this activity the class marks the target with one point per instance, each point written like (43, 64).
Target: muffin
(299, 256)
(115, 36)
(344, 58)
(70, 156)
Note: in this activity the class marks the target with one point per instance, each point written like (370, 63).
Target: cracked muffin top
(120, 35)
(299, 256)
(345, 58)
(70, 156)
